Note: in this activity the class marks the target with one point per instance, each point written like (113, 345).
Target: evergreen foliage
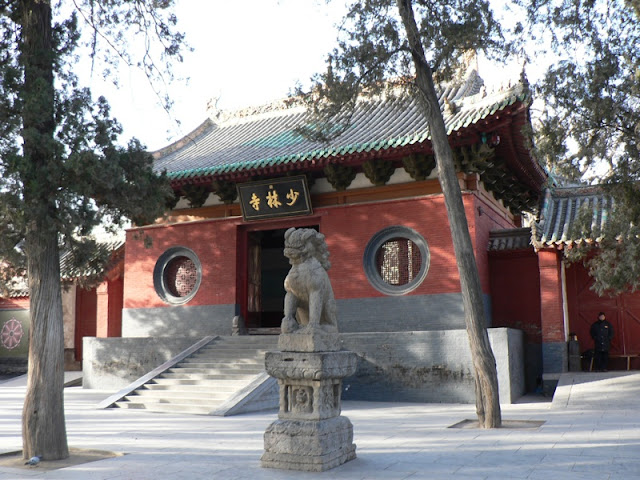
(62, 168)
(590, 119)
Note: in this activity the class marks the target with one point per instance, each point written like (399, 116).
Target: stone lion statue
(309, 301)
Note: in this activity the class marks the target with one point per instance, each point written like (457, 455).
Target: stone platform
(310, 434)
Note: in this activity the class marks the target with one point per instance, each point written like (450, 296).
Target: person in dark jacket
(602, 333)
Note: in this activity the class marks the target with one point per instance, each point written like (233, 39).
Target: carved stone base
(311, 366)
(309, 435)
(308, 339)
(306, 445)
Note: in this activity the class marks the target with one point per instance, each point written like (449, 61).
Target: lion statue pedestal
(310, 434)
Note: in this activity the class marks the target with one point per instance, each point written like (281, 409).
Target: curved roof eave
(282, 140)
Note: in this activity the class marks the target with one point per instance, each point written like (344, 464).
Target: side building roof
(19, 288)
(556, 222)
(555, 225)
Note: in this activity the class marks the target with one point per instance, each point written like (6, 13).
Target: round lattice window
(177, 275)
(181, 276)
(396, 260)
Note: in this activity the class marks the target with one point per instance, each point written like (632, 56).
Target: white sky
(247, 52)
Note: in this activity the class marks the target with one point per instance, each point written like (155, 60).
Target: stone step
(171, 396)
(214, 383)
(227, 357)
(178, 375)
(245, 349)
(200, 388)
(218, 369)
(151, 401)
(219, 364)
(246, 339)
(231, 356)
(168, 407)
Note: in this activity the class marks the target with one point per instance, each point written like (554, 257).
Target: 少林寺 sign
(278, 197)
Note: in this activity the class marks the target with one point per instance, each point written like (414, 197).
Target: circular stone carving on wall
(177, 275)
(396, 260)
(11, 334)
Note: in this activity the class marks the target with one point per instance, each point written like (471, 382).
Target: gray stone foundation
(308, 445)
(113, 363)
(429, 367)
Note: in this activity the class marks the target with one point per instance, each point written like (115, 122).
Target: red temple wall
(347, 228)
(213, 241)
(483, 218)
(515, 293)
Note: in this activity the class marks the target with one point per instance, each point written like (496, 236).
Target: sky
(245, 53)
(248, 52)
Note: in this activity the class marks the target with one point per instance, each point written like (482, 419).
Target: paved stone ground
(591, 431)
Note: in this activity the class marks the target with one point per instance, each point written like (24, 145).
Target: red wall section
(109, 308)
(347, 228)
(515, 293)
(552, 316)
(213, 241)
(483, 217)
(623, 311)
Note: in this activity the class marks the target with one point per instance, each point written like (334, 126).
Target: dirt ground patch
(77, 456)
(517, 424)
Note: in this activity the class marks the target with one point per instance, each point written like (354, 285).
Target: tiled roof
(19, 287)
(561, 206)
(266, 137)
(510, 239)
(69, 272)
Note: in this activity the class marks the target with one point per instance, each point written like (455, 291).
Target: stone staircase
(207, 381)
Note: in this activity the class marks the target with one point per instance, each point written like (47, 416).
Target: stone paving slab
(591, 431)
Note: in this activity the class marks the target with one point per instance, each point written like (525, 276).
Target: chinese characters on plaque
(278, 197)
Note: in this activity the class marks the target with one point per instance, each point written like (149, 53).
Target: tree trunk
(43, 424)
(486, 377)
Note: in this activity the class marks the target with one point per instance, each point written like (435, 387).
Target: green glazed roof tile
(262, 138)
(560, 211)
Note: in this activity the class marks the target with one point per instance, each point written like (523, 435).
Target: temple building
(213, 267)
(242, 179)
(551, 300)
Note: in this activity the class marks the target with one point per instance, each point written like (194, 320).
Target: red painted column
(554, 346)
(102, 310)
(116, 295)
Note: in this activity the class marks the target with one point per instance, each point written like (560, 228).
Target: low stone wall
(13, 366)
(113, 363)
(430, 367)
(427, 366)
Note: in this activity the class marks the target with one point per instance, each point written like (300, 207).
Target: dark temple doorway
(267, 268)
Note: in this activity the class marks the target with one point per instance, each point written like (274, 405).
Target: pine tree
(62, 171)
(590, 120)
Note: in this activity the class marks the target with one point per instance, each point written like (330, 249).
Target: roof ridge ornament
(220, 116)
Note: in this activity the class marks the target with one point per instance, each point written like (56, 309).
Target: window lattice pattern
(181, 276)
(398, 261)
